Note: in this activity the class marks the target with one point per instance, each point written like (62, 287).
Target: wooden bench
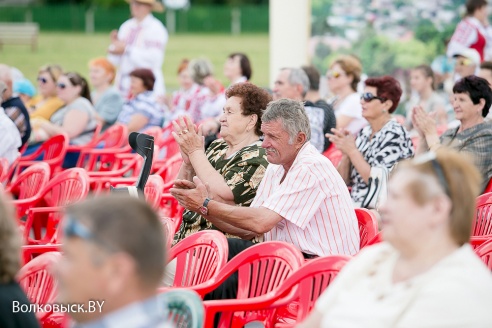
(19, 33)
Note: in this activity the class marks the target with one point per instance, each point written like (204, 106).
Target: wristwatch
(204, 209)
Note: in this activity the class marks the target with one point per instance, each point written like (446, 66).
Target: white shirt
(455, 292)
(10, 139)
(318, 215)
(145, 46)
(351, 107)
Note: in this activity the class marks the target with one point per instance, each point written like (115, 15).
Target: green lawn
(74, 50)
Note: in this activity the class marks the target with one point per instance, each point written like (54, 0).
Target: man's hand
(191, 199)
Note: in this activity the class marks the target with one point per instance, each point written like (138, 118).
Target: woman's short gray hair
(199, 69)
(292, 115)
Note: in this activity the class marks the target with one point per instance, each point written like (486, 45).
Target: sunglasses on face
(368, 97)
(73, 228)
(464, 62)
(436, 166)
(334, 75)
(61, 85)
(43, 80)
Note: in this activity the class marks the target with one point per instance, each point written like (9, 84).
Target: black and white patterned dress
(388, 146)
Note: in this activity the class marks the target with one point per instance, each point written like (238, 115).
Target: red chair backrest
(169, 171)
(378, 238)
(333, 154)
(153, 190)
(368, 225)
(52, 151)
(310, 282)
(29, 185)
(29, 252)
(199, 257)
(489, 187)
(485, 253)
(4, 170)
(68, 187)
(261, 269)
(170, 225)
(114, 137)
(36, 280)
(482, 224)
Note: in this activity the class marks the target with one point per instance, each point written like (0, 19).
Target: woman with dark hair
(77, 118)
(142, 110)
(471, 102)
(234, 165)
(425, 273)
(382, 143)
(237, 68)
(473, 31)
(423, 94)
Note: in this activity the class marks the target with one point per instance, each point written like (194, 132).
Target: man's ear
(300, 139)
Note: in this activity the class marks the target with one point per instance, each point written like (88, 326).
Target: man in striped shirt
(301, 200)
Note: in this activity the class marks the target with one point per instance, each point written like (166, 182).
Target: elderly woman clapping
(233, 166)
(425, 274)
(471, 102)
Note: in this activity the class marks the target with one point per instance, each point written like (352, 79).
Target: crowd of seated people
(253, 169)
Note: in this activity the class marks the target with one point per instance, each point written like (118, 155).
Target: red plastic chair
(200, 257)
(4, 170)
(477, 241)
(91, 144)
(114, 141)
(261, 269)
(368, 225)
(38, 283)
(171, 226)
(66, 188)
(482, 224)
(52, 152)
(153, 191)
(489, 187)
(485, 253)
(28, 186)
(333, 154)
(29, 252)
(169, 171)
(378, 238)
(299, 292)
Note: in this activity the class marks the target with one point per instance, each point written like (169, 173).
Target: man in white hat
(139, 43)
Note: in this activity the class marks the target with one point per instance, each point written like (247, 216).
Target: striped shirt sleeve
(297, 198)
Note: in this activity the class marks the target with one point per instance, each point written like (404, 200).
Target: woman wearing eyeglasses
(46, 102)
(382, 143)
(77, 118)
(343, 77)
(471, 102)
(424, 274)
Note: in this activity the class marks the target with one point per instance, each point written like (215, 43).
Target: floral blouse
(242, 172)
(388, 146)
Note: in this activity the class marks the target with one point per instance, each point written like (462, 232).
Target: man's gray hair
(298, 76)
(292, 115)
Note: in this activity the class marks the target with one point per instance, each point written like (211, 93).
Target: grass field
(74, 50)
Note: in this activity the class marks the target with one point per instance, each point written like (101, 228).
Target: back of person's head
(146, 76)
(200, 68)
(78, 80)
(427, 71)
(477, 88)
(55, 71)
(291, 114)
(352, 67)
(254, 100)
(10, 242)
(474, 5)
(387, 88)
(313, 76)
(183, 65)
(24, 87)
(125, 225)
(244, 63)
(105, 64)
(5, 74)
(461, 181)
(298, 77)
(3, 88)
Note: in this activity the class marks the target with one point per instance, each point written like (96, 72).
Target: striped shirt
(318, 215)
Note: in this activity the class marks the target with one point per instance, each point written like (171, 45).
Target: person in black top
(313, 99)
(14, 107)
(10, 291)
